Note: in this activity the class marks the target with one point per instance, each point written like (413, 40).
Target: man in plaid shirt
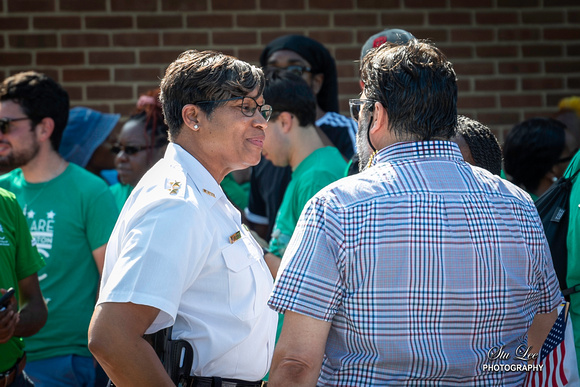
(422, 269)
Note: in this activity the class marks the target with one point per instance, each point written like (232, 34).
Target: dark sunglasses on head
(356, 104)
(129, 149)
(248, 106)
(5, 123)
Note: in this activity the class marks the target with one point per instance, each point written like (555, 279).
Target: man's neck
(47, 165)
(305, 143)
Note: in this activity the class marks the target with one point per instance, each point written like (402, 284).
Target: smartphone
(5, 300)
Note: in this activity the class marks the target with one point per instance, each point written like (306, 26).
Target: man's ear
(45, 129)
(190, 114)
(317, 81)
(285, 119)
(381, 119)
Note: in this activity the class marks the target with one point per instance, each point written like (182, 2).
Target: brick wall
(514, 58)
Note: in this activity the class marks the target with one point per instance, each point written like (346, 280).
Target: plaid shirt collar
(405, 151)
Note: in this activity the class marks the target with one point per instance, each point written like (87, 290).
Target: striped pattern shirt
(423, 264)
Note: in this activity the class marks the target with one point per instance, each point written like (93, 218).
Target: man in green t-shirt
(19, 262)
(70, 212)
(292, 140)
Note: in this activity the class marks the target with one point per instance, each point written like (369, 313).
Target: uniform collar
(403, 151)
(207, 186)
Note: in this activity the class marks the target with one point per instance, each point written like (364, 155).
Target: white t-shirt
(179, 246)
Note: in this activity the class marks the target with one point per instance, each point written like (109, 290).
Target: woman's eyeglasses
(5, 123)
(356, 105)
(295, 69)
(248, 106)
(129, 149)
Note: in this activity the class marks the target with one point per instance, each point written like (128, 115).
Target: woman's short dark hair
(197, 76)
(532, 148)
(417, 86)
(288, 92)
(482, 143)
(39, 96)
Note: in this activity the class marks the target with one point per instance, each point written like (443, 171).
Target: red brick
(542, 83)
(85, 40)
(101, 107)
(498, 118)
(496, 18)
(330, 5)
(350, 87)
(537, 113)
(158, 57)
(111, 57)
(191, 39)
(85, 75)
(562, 33)
(519, 68)
(332, 36)
(158, 22)
(180, 5)
(137, 74)
(437, 35)
(268, 36)
(32, 41)
(573, 83)
(552, 99)
(213, 21)
(15, 59)
(347, 70)
(136, 39)
(573, 50)
(124, 108)
(283, 5)
(449, 18)
(109, 92)
(355, 20)
(496, 51)
(109, 22)
(378, 4)
(574, 17)
(495, 84)
(544, 17)
(476, 102)
(474, 68)
(402, 18)
(471, 4)
(2, 42)
(13, 23)
(563, 67)
(513, 101)
(463, 85)
(455, 51)
(425, 4)
(60, 58)
(57, 23)
(472, 35)
(83, 6)
(307, 20)
(51, 73)
(518, 3)
(228, 5)
(541, 50)
(134, 5)
(30, 5)
(250, 55)
(144, 88)
(235, 37)
(259, 20)
(518, 34)
(561, 3)
(347, 53)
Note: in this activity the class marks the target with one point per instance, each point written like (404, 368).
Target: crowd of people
(273, 240)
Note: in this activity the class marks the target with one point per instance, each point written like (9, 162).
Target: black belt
(201, 381)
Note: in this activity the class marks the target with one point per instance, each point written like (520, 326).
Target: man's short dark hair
(39, 96)
(532, 148)
(288, 92)
(482, 143)
(197, 76)
(417, 86)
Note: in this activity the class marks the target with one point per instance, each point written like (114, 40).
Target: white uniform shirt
(179, 246)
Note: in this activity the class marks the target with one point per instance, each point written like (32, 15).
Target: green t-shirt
(69, 216)
(319, 169)
(573, 243)
(121, 192)
(238, 194)
(18, 259)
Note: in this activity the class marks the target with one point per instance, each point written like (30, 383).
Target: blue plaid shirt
(423, 263)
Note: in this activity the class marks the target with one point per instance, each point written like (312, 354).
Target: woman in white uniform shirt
(179, 254)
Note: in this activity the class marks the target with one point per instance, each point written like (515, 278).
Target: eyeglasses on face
(5, 123)
(248, 106)
(129, 149)
(356, 104)
(295, 69)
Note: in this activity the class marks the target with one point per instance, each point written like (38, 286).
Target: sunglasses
(248, 106)
(295, 69)
(5, 123)
(356, 105)
(129, 149)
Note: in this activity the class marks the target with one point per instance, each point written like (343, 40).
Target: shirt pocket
(241, 280)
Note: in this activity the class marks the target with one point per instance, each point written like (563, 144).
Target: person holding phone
(19, 263)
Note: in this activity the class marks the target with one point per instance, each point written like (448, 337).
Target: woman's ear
(190, 114)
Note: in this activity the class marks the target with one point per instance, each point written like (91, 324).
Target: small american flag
(552, 356)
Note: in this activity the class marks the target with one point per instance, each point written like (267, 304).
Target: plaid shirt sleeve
(309, 279)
